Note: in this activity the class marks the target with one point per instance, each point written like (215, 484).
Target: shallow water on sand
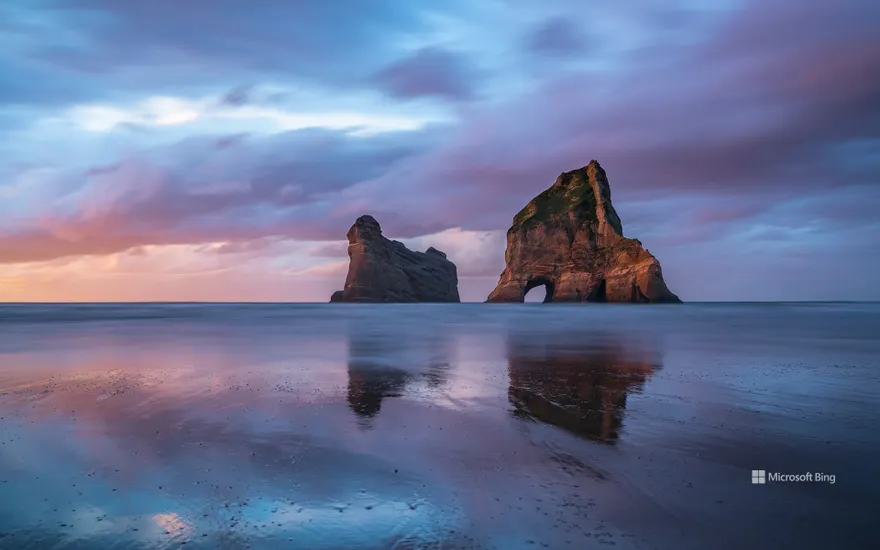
(437, 426)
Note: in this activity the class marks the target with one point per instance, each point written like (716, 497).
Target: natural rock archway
(548, 285)
(570, 239)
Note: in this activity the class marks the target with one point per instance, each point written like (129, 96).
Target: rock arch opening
(599, 293)
(537, 283)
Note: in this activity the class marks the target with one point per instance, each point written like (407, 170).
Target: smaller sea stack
(382, 270)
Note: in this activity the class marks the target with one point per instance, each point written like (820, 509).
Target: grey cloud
(429, 72)
(559, 36)
(237, 96)
(748, 119)
(190, 46)
(285, 185)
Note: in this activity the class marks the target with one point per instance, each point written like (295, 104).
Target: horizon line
(270, 302)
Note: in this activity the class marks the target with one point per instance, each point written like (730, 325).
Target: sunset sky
(220, 150)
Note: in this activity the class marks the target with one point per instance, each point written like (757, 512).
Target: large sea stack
(570, 239)
(382, 270)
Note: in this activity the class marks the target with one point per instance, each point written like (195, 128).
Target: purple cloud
(105, 48)
(753, 126)
(332, 250)
(429, 72)
(744, 119)
(558, 36)
(193, 192)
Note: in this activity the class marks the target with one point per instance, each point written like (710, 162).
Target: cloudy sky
(220, 149)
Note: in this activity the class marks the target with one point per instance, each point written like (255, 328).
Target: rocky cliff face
(382, 270)
(570, 239)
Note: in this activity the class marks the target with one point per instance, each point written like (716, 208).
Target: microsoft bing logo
(759, 477)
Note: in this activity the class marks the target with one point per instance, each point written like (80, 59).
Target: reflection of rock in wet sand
(581, 389)
(381, 366)
(368, 386)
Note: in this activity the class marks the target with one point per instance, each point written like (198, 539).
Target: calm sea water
(438, 426)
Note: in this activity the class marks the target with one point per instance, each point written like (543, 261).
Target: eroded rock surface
(570, 239)
(382, 270)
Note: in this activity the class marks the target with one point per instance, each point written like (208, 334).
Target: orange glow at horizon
(270, 271)
(168, 273)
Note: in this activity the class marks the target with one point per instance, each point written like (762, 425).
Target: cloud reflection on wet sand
(438, 432)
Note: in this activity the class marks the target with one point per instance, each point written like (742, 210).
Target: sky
(219, 150)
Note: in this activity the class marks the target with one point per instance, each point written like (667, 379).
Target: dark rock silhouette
(382, 270)
(381, 366)
(570, 240)
(581, 389)
(368, 387)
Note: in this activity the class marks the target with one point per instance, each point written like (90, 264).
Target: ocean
(466, 426)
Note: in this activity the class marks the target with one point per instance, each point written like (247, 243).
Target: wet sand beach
(438, 426)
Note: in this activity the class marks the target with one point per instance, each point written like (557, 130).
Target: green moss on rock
(572, 192)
